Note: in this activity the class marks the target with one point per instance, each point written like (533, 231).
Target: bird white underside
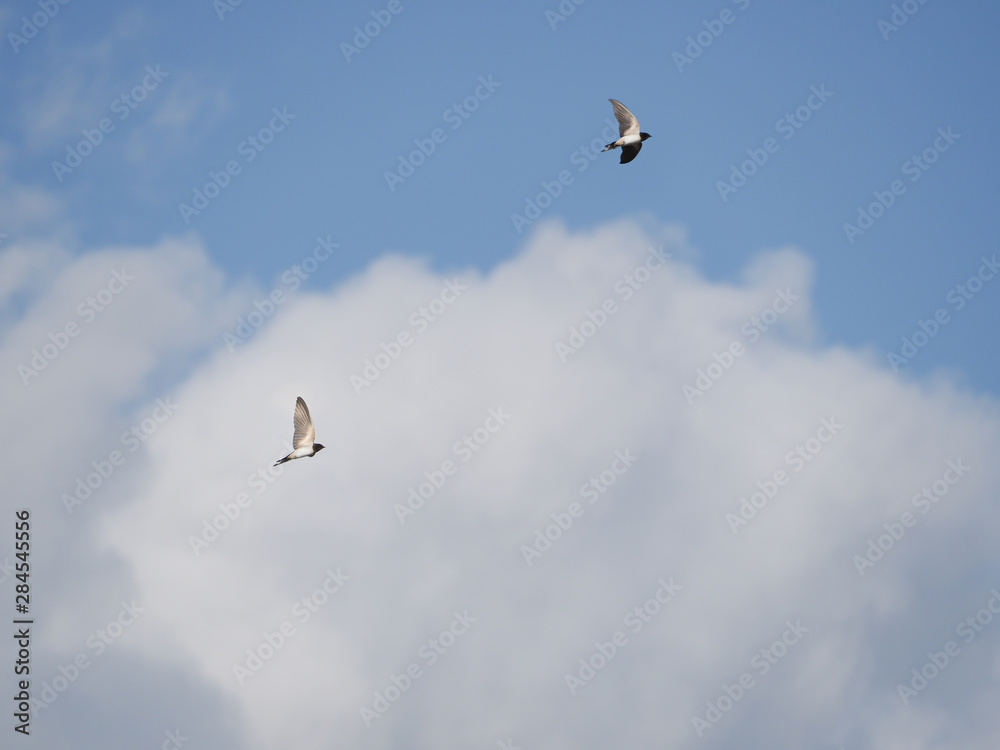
(303, 452)
(629, 139)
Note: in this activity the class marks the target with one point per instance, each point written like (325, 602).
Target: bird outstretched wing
(305, 433)
(630, 152)
(627, 124)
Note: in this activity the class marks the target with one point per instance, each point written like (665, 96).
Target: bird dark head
(317, 447)
(644, 136)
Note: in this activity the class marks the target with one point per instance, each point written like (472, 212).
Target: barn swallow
(305, 434)
(628, 128)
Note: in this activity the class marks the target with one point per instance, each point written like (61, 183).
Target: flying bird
(628, 128)
(304, 436)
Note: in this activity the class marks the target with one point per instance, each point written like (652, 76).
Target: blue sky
(476, 369)
(353, 120)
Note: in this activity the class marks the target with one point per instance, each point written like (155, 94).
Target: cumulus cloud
(588, 453)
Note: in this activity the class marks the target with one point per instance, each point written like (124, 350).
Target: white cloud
(493, 347)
